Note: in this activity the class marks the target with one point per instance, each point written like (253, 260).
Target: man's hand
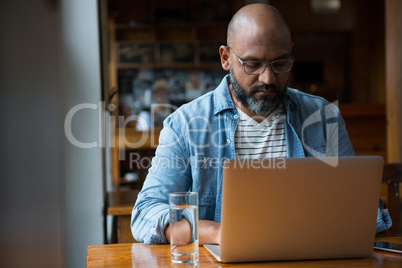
(209, 232)
(182, 232)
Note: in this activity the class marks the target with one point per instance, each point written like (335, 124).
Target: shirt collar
(222, 98)
(289, 101)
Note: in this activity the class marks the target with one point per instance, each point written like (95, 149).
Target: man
(253, 98)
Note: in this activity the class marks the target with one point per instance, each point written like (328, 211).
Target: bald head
(266, 18)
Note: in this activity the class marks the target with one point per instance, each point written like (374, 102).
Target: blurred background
(166, 52)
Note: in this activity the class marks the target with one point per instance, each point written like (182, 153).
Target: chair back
(392, 176)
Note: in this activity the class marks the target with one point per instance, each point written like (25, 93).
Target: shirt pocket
(316, 150)
(204, 173)
(207, 206)
(204, 170)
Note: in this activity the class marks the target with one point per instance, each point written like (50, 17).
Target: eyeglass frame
(242, 62)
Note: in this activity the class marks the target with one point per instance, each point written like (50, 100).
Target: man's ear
(225, 57)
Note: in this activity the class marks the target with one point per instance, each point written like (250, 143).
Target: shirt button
(228, 140)
(236, 116)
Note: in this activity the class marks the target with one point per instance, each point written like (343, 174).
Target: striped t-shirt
(261, 140)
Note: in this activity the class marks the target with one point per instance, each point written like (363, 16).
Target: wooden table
(140, 255)
(120, 205)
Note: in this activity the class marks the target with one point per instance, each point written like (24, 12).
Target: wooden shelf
(132, 26)
(121, 202)
(130, 138)
(170, 66)
(173, 26)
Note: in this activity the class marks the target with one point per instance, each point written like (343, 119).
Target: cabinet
(170, 34)
(162, 55)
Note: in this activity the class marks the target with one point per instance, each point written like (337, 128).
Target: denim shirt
(199, 136)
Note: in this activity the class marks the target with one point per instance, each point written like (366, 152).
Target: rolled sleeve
(169, 173)
(384, 221)
(149, 220)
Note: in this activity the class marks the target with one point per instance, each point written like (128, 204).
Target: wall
(82, 169)
(51, 192)
(30, 162)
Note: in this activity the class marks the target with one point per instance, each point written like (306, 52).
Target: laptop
(298, 209)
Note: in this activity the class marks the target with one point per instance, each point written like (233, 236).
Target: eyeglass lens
(278, 66)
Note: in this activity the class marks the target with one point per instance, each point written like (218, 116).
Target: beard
(266, 105)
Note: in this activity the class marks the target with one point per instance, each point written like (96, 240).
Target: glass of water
(183, 208)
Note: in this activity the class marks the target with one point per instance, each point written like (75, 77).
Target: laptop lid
(299, 208)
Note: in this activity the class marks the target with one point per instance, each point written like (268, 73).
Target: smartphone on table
(387, 246)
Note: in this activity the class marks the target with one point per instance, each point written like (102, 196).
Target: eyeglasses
(257, 67)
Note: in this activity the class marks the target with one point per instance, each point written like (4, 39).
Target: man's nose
(267, 76)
